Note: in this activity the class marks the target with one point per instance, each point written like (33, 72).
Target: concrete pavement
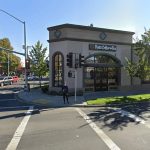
(37, 97)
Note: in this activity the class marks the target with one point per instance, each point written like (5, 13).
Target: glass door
(101, 79)
(89, 76)
(113, 78)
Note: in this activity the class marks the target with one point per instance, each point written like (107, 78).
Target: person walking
(65, 93)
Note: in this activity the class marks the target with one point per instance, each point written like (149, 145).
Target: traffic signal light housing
(69, 60)
(27, 63)
(81, 60)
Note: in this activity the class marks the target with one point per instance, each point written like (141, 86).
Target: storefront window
(89, 78)
(101, 72)
(101, 59)
(58, 69)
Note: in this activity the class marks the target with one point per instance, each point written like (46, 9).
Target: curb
(117, 104)
(38, 104)
(20, 99)
(77, 105)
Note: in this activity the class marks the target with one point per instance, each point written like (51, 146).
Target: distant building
(104, 51)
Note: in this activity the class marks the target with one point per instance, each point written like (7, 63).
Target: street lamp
(8, 65)
(25, 48)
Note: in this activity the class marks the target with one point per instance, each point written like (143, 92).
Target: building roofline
(67, 25)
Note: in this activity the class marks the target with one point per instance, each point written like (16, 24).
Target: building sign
(102, 47)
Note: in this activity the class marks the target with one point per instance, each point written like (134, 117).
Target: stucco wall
(92, 35)
(70, 44)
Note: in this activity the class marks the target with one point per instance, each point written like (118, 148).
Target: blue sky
(130, 15)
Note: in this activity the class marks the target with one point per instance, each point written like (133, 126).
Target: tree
(141, 67)
(38, 60)
(15, 63)
(14, 60)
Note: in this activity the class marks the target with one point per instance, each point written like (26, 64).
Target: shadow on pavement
(36, 111)
(114, 120)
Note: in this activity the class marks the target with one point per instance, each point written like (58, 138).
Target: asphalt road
(25, 127)
(126, 130)
(66, 129)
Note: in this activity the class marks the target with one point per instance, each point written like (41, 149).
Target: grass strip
(120, 99)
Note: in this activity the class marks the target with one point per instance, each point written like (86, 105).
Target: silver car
(6, 80)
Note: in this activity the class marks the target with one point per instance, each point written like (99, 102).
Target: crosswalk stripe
(111, 145)
(132, 116)
(19, 132)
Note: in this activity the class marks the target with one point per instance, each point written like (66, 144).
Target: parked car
(15, 78)
(6, 80)
(32, 78)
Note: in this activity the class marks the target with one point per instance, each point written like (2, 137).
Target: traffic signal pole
(75, 74)
(8, 66)
(25, 46)
(74, 60)
(75, 91)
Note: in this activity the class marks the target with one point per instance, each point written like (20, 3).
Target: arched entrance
(101, 72)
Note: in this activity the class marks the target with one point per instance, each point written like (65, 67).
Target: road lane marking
(6, 92)
(147, 125)
(132, 116)
(100, 133)
(19, 132)
(16, 92)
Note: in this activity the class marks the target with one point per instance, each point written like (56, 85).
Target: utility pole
(25, 45)
(8, 65)
(74, 60)
(75, 92)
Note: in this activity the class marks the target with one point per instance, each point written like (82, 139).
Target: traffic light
(69, 60)
(27, 64)
(81, 60)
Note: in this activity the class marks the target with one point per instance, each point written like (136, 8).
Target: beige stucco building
(104, 51)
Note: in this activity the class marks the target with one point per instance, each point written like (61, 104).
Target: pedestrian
(65, 93)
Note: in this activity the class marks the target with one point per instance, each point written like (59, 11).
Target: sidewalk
(37, 97)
